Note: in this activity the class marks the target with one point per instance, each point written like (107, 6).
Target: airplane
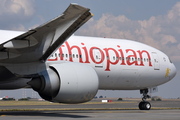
(65, 68)
(3, 97)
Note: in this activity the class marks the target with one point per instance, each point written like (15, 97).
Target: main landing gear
(144, 105)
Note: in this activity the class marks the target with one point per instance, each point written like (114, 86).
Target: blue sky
(133, 9)
(153, 22)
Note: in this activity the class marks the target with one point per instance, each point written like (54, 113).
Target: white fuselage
(120, 64)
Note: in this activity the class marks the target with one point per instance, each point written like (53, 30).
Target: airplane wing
(39, 43)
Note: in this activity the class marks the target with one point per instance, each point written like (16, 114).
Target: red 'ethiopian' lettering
(134, 55)
(70, 51)
(109, 61)
(108, 58)
(86, 53)
(60, 52)
(122, 55)
(53, 59)
(140, 54)
(92, 56)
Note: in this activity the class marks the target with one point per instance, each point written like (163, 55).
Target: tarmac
(125, 110)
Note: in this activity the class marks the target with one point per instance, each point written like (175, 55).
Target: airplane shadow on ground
(41, 113)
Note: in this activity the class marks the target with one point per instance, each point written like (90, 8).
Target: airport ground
(127, 109)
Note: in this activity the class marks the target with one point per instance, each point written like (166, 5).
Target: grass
(11, 103)
(14, 103)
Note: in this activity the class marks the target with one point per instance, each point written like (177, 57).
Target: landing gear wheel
(147, 106)
(141, 105)
(144, 105)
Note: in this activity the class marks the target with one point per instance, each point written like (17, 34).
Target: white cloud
(15, 12)
(34, 26)
(162, 32)
(23, 7)
(18, 28)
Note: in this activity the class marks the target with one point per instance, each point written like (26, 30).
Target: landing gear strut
(144, 105)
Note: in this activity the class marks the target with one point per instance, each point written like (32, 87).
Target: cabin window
(113, 58)
(59, 55)
(123, 58)
(96, 57)
(73, 56)
(147, 60)
(170, 60)
(141, 59)
(132, 59)
(76, 55)
(55, 54)
(138, 59)
(62, 55)
(107, 57)
(164, 59)
(80, 56)
(70, 55)
(129, 59)
(120, 58)
(144, 59)
(116, 58)
(66, 55)
(51, 55)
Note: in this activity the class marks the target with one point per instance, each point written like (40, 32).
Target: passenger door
(155, 60)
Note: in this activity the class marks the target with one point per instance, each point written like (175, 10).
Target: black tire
(141, 105)
(144, 105)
